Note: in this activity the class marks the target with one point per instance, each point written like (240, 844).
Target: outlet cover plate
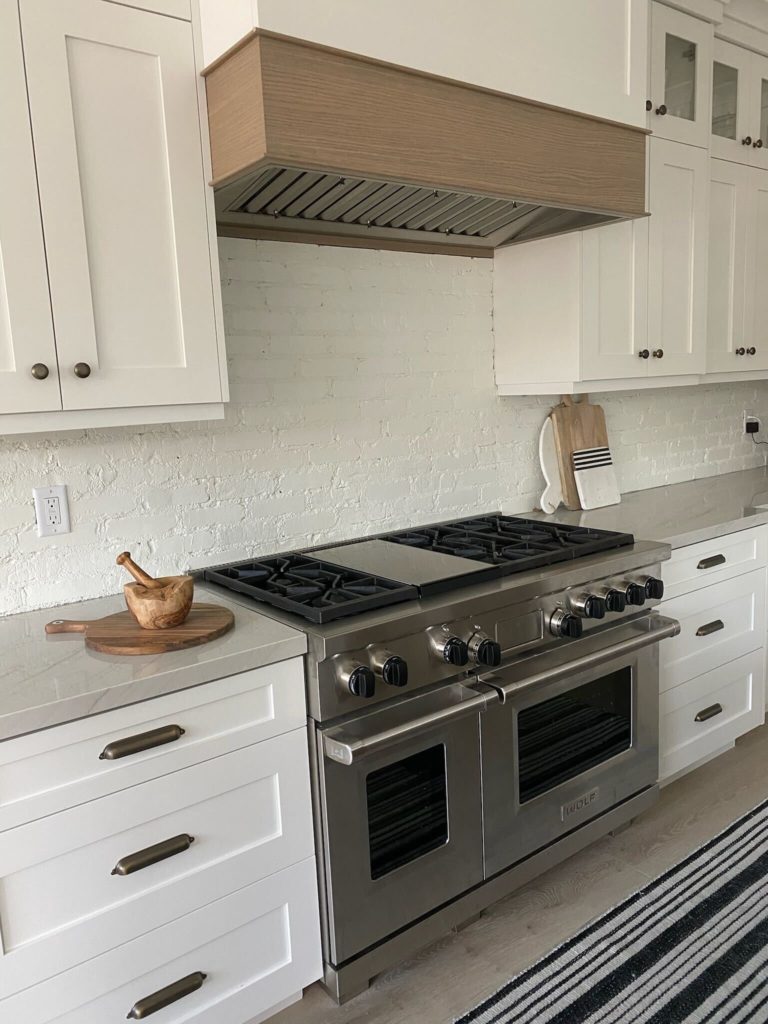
(51, 510)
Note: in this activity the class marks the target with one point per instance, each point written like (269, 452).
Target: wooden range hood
(314, 144)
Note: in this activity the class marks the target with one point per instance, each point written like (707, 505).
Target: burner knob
(360, 681)
(654, 588)
(615, 600)
(455, 651)
(589, 606)
(394, 671)
(391, 667)
(450, 649)
(635, 594)
(484, 651)
(562, 623)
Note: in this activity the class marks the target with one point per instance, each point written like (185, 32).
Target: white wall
(362, 399)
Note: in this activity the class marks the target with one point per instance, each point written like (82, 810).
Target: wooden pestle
(138, 573)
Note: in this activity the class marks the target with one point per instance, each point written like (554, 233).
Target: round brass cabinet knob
(82, 370)
(40, 371)
(747, 141)
(643, 353)
(658, 353)
(758, 144)
(661, 111)
(751, 350)
(740, 351)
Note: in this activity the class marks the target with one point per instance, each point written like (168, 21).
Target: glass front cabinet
(681, 74)
(739, 105)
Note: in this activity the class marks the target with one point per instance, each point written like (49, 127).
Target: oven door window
(407, 810)
(567, 735)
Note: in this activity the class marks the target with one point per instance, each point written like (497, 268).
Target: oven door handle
(655, 628)
(346, 748)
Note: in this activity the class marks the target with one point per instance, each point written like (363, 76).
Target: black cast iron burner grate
(511, 542)
(316, 590)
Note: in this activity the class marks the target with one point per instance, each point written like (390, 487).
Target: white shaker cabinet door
(114, 107)
(615, 301)
(26, 330)
(729, 207)
(756, 331)
(677, 285)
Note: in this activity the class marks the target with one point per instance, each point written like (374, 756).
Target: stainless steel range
(483, 701)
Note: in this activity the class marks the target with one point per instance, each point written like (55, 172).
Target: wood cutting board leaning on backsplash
(577, 426)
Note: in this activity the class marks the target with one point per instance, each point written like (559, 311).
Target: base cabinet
(712, 675)
(229, 962)
(707, 714)
(185, 869)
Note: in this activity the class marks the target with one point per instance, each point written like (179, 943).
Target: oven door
(577, 732)
(401, 814)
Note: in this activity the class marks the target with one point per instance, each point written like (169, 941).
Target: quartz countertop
(45, 681)
(49, 680)
(684, 513)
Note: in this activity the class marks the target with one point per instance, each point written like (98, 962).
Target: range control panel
(461, 647)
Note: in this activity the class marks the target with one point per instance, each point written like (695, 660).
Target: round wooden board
(121, 633)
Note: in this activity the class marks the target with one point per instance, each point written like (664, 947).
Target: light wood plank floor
(465, 967)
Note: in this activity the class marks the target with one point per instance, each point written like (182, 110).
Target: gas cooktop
(512, 542)
(323, 584)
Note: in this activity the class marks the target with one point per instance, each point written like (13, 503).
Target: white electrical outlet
(51, 510)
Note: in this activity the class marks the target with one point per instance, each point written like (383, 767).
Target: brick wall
(362, 398)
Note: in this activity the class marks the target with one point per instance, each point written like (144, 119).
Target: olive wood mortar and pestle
(156, 603)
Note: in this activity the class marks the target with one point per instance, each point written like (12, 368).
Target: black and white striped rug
(690, 948)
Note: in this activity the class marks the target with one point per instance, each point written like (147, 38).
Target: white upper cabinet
(729, 204)
(680, 90)
(756, 301)
(739, 105)
(589, 56)
(737, 320)
(26, 329)
(115, 121)
(614, 315)
(678, 182)
(734, 127)
(614, 307)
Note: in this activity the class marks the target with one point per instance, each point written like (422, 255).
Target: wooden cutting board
(577, 425)
(121, 634)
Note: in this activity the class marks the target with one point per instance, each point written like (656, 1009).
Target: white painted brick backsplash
(363, 398)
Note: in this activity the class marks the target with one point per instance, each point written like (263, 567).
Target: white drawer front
(249, 813)
(48, 771)
(257, 948)
(737, 688)
(717, 624)
(699, 565)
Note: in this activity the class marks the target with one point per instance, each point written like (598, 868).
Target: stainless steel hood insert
(289, 199)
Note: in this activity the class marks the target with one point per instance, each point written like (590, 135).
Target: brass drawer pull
(710, 712)
(152, 854)
(710, 627)
(165, 996)
(141, 741)
(709, 563)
